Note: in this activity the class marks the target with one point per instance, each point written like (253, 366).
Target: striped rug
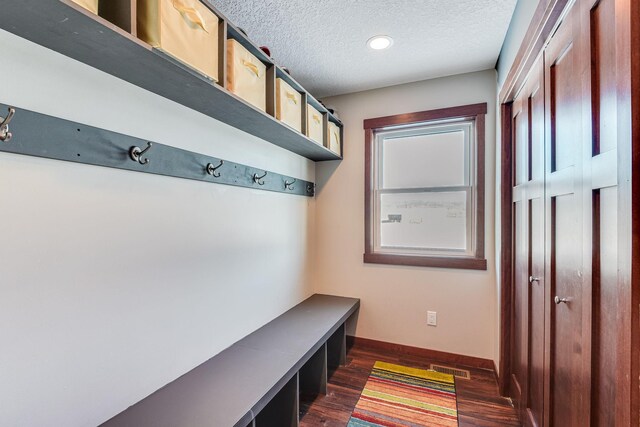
(397, 396)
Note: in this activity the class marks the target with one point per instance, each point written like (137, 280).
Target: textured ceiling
(323, 42)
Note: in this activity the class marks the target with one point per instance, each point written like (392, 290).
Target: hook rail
(39, 135)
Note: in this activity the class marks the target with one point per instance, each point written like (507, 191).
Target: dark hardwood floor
(479, 403)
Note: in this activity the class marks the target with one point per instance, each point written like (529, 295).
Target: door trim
(544, 22)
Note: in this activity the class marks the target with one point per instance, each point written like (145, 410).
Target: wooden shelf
(64, 27)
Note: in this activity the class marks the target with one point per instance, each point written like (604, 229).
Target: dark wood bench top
(231, 388)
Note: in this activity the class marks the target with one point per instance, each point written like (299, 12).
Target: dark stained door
(527, 380)
(575, 293)
(537, 283)
(600, 172)
(520, 314)
(565, 66)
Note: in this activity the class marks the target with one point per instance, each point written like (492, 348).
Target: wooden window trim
(473, 111)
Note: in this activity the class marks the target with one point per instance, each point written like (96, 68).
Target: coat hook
(289, 185)
(5, 135)
(259, 179)
(136, 154)
(211, 170)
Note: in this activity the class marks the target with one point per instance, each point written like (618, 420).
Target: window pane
(431, 160)
(428, 220)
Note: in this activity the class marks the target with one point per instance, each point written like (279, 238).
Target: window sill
(426, 261)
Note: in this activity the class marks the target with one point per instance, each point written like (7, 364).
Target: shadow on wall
(324, 171)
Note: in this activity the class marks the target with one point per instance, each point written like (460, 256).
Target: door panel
(536, 120)
(605, 321)
(521, 148)
(527, 388)
(602, 169)
(537, 287)
(565, 106)
(564, 65)
(603, 75)
(535, 407)
(566, 319)
(529, 284)
(520, 259)
(520, 314)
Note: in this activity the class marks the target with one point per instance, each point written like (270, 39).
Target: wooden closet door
(601, 182)
(520, 314)
(588, 235)
(565, 66)
(527, 380)
(537, 283)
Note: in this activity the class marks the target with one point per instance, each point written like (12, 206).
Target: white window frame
(467, 126)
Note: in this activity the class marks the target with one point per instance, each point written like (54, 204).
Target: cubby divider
(332, 118)
(271, 90)
(337, 349)
(313, 375)
(325, 126)
(304, 112)
(222, 53)
(283, 409)
(122, 13)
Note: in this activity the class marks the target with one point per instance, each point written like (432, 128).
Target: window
(424, 188)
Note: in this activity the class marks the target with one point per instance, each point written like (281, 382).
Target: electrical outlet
(432, 318)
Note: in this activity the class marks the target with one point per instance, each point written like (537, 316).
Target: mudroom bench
(257, 381)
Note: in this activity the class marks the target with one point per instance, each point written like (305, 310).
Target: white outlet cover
(432, 318)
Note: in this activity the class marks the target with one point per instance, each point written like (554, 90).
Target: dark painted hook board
(39, 135)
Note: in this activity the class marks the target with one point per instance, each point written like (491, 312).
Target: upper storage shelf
(67, 28)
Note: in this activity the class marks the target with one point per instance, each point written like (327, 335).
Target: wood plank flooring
(479, 403)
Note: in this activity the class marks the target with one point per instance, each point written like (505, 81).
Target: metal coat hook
(259, 179)
(136, 154)
(5, 135)
(289, 185)
(211, 170)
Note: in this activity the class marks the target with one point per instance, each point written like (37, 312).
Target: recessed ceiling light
(379, 42)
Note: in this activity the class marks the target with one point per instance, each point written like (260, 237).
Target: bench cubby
(283, 409)
(337, 348)
(259, 380)
(313, 375)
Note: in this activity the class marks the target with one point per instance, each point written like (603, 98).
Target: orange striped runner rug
(398, 396)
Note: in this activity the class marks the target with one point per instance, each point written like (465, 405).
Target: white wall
(114, 283)
(395, 299)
